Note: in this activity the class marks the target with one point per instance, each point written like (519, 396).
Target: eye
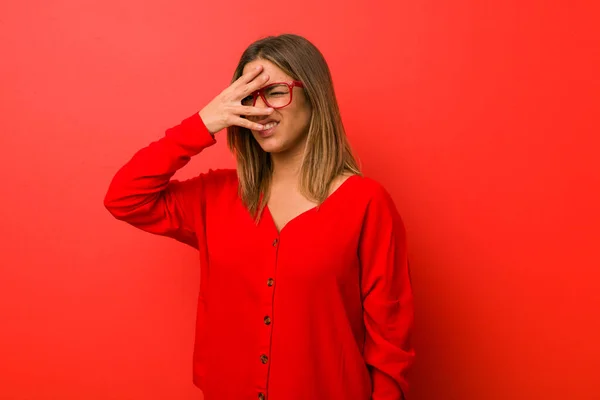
(277, 90)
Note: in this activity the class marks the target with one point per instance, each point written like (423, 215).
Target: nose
(260, 102)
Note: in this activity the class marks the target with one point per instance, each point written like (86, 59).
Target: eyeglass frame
(260, 92)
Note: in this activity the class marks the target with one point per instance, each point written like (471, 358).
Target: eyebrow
(278, 85)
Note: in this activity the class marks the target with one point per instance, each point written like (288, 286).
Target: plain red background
(481, 119)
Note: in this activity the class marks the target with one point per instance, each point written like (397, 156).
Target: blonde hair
(327, 153)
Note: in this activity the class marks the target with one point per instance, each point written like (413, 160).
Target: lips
(270, 125)
(269, 129)
(266, 121)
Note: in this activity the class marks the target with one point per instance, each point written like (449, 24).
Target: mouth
(269, 128)
(270, 125)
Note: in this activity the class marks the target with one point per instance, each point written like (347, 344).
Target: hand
(226, 109)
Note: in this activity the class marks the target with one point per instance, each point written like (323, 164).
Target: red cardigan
(322, 310)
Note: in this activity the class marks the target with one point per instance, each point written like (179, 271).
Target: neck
(286, 166)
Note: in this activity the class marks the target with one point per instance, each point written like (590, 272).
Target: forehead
(275, 73)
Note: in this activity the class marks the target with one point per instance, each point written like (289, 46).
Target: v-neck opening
(310, 210)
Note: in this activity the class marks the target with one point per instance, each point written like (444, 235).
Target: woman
(305, 291)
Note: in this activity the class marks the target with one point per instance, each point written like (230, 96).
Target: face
(291, 122)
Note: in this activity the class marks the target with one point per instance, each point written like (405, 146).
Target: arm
(387, 298)
(143, 194)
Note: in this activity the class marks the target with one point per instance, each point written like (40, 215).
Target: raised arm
(142, 192)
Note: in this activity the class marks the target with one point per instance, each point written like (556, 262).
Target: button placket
(267, 319)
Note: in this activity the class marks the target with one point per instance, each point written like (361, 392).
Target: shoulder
(217, 181)
(214, 184)
(221, 175)
(209, 183)
(371, 190)
(375, 201)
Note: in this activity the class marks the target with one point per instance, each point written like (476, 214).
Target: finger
(248, 110)
(253, 85)
(245, 123)
(248, 76)
(258, 82)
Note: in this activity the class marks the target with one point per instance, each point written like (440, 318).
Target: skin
(285, 143)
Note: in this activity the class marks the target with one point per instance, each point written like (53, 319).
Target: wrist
(209, 126)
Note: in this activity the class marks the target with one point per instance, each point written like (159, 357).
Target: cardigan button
(267, 320)
(270, 282)
(264, 359)
(275, 242)
(261, 396)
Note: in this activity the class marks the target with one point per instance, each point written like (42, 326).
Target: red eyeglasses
(275, 95)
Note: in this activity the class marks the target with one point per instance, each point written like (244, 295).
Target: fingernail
(261, 127)
(269, 109)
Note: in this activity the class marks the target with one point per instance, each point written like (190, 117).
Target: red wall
(481, 118)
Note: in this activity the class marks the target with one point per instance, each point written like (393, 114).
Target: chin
(271, 145)
(275, 142)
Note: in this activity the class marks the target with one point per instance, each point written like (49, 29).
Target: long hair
(327, 153)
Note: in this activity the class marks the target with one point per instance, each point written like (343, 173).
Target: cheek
(298, 117)
(304, 120)
(294, 123)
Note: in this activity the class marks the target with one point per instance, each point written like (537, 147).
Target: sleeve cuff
(192, 134)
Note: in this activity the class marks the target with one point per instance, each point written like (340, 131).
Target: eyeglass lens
(275, 95)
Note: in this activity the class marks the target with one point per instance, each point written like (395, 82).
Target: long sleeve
(143, 194)
(387, 298)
